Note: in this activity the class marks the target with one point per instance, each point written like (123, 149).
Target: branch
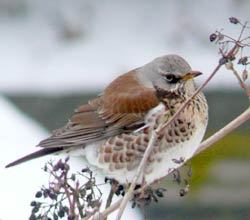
(243, 117)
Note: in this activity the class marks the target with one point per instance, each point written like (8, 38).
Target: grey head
(169, 73)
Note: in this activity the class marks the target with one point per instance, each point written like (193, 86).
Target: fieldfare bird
(113, 130)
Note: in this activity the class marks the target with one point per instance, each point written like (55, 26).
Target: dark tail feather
(39, 153)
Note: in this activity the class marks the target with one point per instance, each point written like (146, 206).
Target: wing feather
(121, 108)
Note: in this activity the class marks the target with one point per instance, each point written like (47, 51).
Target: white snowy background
(67, 46)
(70, 46)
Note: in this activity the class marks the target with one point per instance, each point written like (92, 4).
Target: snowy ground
(117, 36)
(18, 136)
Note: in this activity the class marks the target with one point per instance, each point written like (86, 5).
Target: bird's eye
(170, 78)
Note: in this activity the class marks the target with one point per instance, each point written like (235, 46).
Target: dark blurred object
(198, 212)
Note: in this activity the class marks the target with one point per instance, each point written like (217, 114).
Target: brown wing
(121, 108)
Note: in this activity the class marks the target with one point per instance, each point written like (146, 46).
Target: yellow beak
(190, 75)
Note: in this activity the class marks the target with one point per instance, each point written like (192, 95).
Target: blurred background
(55, 55)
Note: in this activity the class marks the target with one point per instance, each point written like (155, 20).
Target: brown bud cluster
(234, 20)
(52, 202)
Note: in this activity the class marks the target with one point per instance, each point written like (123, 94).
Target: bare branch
(244, 117)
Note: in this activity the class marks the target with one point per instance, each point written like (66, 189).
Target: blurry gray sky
(74, 45)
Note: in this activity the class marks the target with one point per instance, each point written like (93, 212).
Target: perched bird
(113, 130)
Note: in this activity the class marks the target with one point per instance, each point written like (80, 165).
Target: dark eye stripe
(171, 78)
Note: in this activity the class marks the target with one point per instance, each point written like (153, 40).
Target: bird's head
(169, 75)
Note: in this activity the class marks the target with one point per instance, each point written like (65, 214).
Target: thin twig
(242, 30)
(113, 188)
(105, 213)
(241, 82)
(141, 167)
(242, 118)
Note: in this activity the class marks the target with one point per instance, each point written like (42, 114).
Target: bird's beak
(191, 75)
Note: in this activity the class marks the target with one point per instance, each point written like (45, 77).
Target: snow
(117, 36)
(18, 136)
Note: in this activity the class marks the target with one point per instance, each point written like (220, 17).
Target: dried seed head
(32, 217)
(33, 203)
(243, 60)
(182, 192)
(86, 170)
(245, 75)
(223, 61)
(61, 213)
(35, 209)
(234, 20)
(213, 37)
(39, 194)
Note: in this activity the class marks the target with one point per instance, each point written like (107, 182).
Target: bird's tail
(39, 153)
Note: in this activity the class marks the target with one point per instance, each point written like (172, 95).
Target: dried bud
(45, 168)
(243, 60)
(87, 170)
(66, 209)
(61, 213)
(33, 203)
(178, 161)
(223, 61)
(160, 192)
(67, 159)
(55, 217)
(52, 195)
(133, 205)
(234, 20)
(89, 197)
(38, 194)
(32, 217)
(212, 37)
(244, 75)
(182, 192)
(35, 209)
(120, 188)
